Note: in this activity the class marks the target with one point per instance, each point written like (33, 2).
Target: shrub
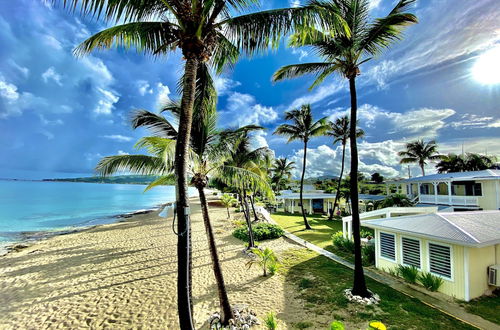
(337, 325)
(365, 233)
(368, 254)
(342, 243)
(430, 282)
(305, 283)
(393, 271)
(273, 267)
(376, 325)
(270, 321)
(409, 273)
(263, 258)
(261, 231)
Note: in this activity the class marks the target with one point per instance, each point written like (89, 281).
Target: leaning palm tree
(343, 54)
(303, 129)
(339, 130)
(420, 152)
(204, 31)
(282, 173)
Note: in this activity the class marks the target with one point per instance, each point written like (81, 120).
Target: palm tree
(282, 173)
(420, 152)
(459, 163)
(303, 129)
(451, 163)
(339, 130)
(228, 201)
(344, 54)
(397, 200)
(203, 31)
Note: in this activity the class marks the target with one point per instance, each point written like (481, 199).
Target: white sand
(123, 276)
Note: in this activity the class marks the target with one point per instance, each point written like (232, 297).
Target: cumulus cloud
(144, 87)
(302, 53)
(163, 94)
(223, 84)
(51, 74)
(105, 105)
(294, 3)
(243, 109)
(121, 153)
(47, 122)
(118, 138)
(259, 139)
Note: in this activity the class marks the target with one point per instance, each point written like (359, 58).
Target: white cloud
(52, 74)
(374, 3)
(380, 73)
(242, 109)
(105, 105)
(144, 87)
(99, 71)
(46, 121)
(163, 94)
(302, 53)
(224, 85)
(294, 3)
(318, 94)
(23, 70)
(52, 42)
(118, 137)
(121, 153)
(8, 91)
(469, 120)
(13, 102)
(47, 134)
(259, 139)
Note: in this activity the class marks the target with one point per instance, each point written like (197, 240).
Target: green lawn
(321, 282)
(486, 307)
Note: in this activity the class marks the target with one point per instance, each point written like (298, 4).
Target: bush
(409, 273)
(365, 233)
(264, 259)
(342, 243)
(430, 282)
(337, 325)
(273, 267)
(270, 321)
(368, 254)
(261, 231)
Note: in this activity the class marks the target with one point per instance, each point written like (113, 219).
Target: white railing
(446, 200)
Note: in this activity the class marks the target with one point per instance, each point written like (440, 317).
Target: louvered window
(440, 259)
(411, 252)
(387, 247)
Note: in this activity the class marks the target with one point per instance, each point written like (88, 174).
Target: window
(440, 260)
(411, 251)
(425, 189)
(477, 189)
(387, 247)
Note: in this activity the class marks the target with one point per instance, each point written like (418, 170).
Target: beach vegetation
(261, 231)
(429, 281)
(420, 152)
(343, 55)
(394, 200)
(337, 325)
(281, 174)
(302, 128)
(271, 322)
(463, 163)
(303, 325)
(228, 201)
(263, 258)
(368, 254)
(339, 131)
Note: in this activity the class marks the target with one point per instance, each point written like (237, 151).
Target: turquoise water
(34, 206)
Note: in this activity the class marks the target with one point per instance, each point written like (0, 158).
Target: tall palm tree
(282, 173)
(459, 163)
(339, 130)
(204, 31)
(303, 128)
(344, 54)
(420, 152)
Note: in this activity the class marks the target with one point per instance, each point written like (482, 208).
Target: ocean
(28, 208)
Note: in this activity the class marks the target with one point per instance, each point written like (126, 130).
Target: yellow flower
(377, 325)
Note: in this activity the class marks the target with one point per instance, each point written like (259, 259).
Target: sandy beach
(123, 275)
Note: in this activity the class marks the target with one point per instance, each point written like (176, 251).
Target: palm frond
(158, 125)
(298, 70)
(138, 164)
(161, 181)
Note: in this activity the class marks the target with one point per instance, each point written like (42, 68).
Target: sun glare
(486, 70)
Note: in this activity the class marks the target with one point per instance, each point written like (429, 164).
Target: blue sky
(61, 113)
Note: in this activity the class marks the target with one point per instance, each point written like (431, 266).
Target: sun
(486, 70)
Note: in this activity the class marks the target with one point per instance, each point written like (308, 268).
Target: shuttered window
(440, 259)
(411, 251)
(387, 246)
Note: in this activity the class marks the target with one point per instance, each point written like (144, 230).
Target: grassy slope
(486, 307)
(321, 281)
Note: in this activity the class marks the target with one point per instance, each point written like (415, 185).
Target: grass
(486, 307)
(323, 296)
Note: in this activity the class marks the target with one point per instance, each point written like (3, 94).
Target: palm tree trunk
(306, 223)
(228, 214)
(251, 242)
(184, 260)
(359, 286)
(227, 312)
(253, 208)
(340, 179)
(422, 168)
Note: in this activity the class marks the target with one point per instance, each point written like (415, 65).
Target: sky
(60, 113)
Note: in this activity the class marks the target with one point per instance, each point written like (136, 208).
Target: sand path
(123, 276)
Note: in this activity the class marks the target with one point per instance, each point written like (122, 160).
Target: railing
(445, 200)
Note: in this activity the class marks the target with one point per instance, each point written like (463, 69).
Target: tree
(344, 54)
(339, 130)
(470, 162)
(395, 200)
(204, 31)
(420, 152)
(228, 201)
(281, 173)
(303, 128)
(377, 178)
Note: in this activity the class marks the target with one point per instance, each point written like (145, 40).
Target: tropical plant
(420, 152)
(281, 173)
(263, 258)
(376, 325)
(430, 282)
(303, 128)
(394, 200)
(339, 130)
(368, 254)
(337, 325)
(342, 243)
(470, 162)
(408, 273)
(343, 54)
(377, 178)
(271, 321)
(261, 231)
(228, 200)
(204, 31)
